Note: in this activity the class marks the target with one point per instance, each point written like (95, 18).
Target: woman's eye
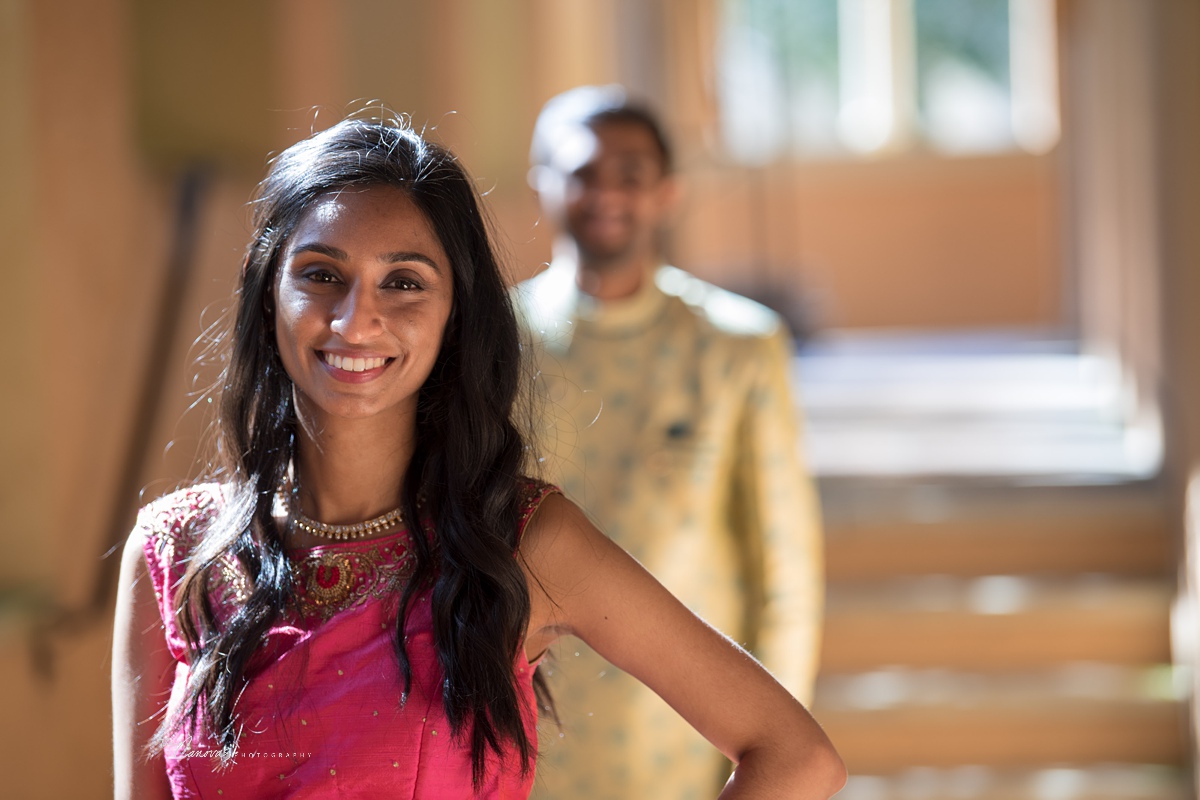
(404, 284)
(320, 276)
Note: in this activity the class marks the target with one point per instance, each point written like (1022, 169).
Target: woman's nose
(356, 317)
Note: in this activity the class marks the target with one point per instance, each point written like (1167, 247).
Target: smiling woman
(363, 295)
(356, 603)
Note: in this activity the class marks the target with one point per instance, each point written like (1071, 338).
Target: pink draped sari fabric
(324, 718)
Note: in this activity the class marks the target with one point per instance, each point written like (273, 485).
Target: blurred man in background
(669, 417)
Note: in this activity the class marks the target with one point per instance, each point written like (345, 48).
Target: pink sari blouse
(324, 717)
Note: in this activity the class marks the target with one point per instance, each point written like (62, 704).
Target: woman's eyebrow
(335, 253)
(338, 254)
(410, 255)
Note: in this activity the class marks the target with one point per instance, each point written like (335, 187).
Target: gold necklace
(337, 532)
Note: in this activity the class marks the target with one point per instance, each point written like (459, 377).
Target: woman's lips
(354, 369)
(353, 363)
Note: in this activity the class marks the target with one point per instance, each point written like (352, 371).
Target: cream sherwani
(669, 417)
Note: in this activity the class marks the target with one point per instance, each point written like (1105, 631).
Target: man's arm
(777, 511)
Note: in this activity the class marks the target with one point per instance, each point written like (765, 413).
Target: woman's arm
(142, 671)
(583, 584)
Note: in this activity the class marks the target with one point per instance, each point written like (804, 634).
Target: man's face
(616, 193)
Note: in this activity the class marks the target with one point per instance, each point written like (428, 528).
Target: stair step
(977, 782)
(1080, 732)
(887, 721)
(996, 622)
(1124, 543)
(991, 640)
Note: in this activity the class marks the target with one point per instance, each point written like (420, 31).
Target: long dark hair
(467, 464)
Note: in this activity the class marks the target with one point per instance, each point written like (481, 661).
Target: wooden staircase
(991, 640)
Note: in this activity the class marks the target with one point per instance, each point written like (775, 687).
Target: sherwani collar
(626, 315)
(560, 307)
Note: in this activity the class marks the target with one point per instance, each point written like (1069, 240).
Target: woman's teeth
(353, 364)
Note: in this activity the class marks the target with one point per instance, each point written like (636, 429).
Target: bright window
(817, 78)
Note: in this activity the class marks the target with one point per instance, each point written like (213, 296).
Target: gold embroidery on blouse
(180, 526)
(330, 581)
(327, 581)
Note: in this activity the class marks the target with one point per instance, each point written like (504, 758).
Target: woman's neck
(351, 470)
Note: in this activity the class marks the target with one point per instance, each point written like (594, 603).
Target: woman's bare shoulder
(557, 523)
(565, 553)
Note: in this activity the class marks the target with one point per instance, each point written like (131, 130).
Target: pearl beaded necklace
(338, 532)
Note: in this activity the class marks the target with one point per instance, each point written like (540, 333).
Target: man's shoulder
(726, 312)
(552, 282)
(546, 296)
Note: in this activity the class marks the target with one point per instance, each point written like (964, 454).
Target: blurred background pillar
(1112, 156)
(1177, 68)
(26, 357)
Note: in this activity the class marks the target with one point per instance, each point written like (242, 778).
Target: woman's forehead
(370, 221)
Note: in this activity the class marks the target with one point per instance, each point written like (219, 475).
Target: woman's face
(362, 296)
